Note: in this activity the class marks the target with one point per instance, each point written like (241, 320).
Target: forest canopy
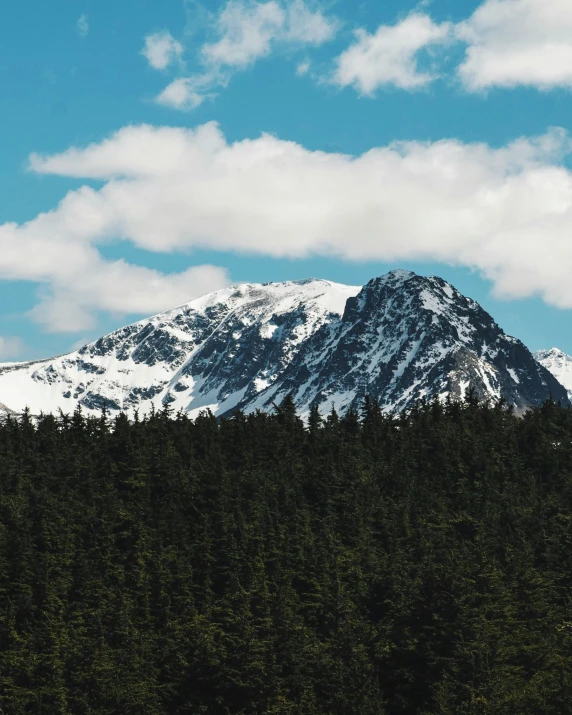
(356, 565)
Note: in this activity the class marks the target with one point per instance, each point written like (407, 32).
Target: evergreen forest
(358, 565)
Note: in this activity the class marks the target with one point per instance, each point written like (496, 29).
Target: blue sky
(452, 107)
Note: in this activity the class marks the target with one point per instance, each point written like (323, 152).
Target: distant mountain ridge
(559, 364)
(399, 338)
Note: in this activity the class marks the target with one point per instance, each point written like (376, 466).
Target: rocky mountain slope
(559, 364)
(399, 338)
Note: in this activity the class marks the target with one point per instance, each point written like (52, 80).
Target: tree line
(360, 565)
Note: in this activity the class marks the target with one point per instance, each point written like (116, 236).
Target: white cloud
(181, 94)
(161, 50)
(70, 305)
(506, 212)
(58, 250)
(509, 43)
(518, 42)
(246, 31)
(82, 26)
(11, 347)
(303, 68)
(389, 57)
(307, 26)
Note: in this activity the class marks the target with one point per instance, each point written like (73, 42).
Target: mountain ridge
(398, 338)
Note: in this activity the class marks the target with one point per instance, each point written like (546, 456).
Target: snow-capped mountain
(559, 364)
(399, 338)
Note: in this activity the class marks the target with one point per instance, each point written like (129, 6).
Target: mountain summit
(398, 338)
(559, 364)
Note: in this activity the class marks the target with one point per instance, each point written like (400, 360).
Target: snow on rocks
(399, 338)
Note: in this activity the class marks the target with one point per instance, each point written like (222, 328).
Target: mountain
(559, 364)
(398, 338)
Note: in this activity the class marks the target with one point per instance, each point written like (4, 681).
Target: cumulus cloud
(71, 304)
(58, 250)
(307, 26)
(390, 56)
(82, 26)
(518, 42)
(183, 93)
(77, 282)
(509, 43)
(11, 347)
(161, 50)
(245, 31)
(504, 211)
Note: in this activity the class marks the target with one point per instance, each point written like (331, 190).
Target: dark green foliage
(362, 565)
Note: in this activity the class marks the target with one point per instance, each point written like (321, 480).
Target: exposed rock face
(404, 337)
(399, 338)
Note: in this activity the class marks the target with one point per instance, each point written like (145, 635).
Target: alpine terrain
(399, 338)
(559, 364)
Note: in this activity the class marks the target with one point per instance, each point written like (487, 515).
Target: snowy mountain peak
(554, 354)
(395, 277)
(404, 337)
(398, 338)
(559, 364)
